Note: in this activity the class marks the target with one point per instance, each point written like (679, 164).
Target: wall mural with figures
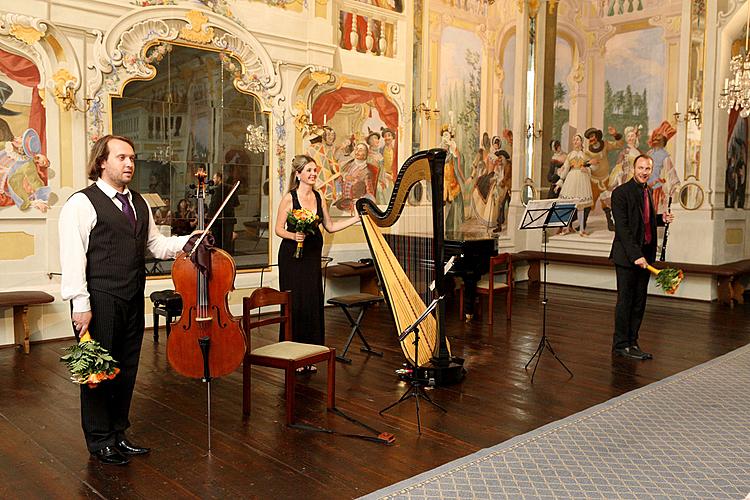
(735, 179)
(593, 155)
(610, 103)
(356, 147)
(24, 167)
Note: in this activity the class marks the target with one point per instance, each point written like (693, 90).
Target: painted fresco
(509, 76)
(392, 5)
(24, 167)
(735, 179)
(356, 147)
(588, 162)
(460, 103)
(561, 97)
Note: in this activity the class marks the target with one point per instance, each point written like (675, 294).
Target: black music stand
(541, 214)
(416, 384)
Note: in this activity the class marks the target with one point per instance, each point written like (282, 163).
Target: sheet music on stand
(548, 213)
(543, 214)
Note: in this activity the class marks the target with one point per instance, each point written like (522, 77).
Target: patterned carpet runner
(687, 436)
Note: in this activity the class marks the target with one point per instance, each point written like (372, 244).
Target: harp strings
(406, 303)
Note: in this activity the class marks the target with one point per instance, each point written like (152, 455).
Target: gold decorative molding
(551, 6)
(63, 84)
(302, 115)
(320, 77)
(27, 34)
(671, 24)
(17, 245)
(734, 236)
(533, 6)
(196, 31)
(577, 74)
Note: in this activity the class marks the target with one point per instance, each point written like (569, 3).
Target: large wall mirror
(190, 116)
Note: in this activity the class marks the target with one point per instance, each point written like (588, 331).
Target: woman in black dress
(303, 276)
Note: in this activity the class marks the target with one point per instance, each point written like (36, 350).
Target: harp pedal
(387, 437)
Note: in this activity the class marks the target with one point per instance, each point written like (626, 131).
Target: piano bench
(346, 302)
(167, 303)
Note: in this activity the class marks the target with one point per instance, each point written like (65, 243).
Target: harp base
(440, 373)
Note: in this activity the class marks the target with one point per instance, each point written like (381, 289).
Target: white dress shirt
(77, 219)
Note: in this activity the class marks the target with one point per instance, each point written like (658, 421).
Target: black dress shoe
(636, 349)
(109, 455)
(629, 352)
(127, 448)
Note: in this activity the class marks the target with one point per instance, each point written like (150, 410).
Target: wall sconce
(67, 99)
(428, 113)
(693, 113)
(531, 131)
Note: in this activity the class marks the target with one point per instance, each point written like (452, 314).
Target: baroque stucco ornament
(48, 48)
(196, 31)
(28, 30)
(121, 54)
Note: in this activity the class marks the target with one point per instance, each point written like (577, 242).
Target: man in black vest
(633, 248)
(105, 230)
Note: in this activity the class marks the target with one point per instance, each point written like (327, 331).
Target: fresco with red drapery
(356, 151)
(23, 160)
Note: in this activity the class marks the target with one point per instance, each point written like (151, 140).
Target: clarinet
(666, 234)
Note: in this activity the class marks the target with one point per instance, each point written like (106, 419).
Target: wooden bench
(20, 302)
(726, 274)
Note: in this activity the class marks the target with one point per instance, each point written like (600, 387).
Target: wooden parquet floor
(42, 453)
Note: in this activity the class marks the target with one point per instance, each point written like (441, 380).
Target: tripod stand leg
(424, 394)
(409, 393)
(537, 355)
(419, 422)
(538, 352)
(549, 346)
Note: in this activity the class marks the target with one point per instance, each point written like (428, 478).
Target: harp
(407, 245)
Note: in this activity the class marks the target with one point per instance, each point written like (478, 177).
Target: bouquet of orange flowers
(89, 363)
(302, 220)
(667, 279)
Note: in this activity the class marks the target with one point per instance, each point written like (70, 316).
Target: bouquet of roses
(302, 220)
(667, 279)
(89, 363)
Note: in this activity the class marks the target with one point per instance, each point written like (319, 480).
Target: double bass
(207, 341)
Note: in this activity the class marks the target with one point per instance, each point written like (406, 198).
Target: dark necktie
(126, 208)
(646, 216)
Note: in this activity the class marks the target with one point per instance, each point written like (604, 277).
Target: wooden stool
(363, 301)
(167, 303)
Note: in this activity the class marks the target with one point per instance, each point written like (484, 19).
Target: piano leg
(470, 294)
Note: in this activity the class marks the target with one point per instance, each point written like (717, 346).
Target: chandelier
(736, 92)
(256, 140)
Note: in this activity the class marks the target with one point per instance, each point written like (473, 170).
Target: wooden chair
(286, 355)
(499, 279)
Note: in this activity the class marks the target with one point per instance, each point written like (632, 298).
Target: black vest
(116, 254)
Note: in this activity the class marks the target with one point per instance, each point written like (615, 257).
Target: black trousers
(632, 289)
(118, 325)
